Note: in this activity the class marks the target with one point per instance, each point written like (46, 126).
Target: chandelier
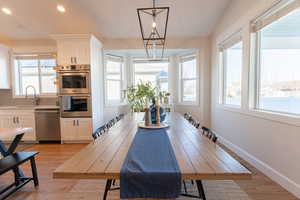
(153, 24)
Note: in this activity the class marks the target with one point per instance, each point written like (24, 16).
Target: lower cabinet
(76, 129)
(19, 119)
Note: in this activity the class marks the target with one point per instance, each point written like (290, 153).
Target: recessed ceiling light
(6, 11)
(61, 8)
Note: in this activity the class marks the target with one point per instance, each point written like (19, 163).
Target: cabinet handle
(14, 120)
(71, 60)
(77, 122)
(18, 120)
(73, 122)
(75, 60)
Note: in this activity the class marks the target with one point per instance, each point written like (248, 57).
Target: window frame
(119, 59)
(274, 14)
(136, 60)
(224, 46)
(182, 59)
(17, 75)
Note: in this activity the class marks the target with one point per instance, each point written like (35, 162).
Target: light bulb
(153, 25)
(6, 11)
(61, 8)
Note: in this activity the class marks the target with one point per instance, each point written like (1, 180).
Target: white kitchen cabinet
(27, 119)
(19, 119)
(73, 49)
(4, 67)
(76, 129)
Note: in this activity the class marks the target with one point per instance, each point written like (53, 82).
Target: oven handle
(73, 73)
(74, 97)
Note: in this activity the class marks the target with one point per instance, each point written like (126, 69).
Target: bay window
(155, 72)
(114, 79)
(188, 79)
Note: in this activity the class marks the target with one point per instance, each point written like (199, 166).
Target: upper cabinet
(4, 67)
(73, 49)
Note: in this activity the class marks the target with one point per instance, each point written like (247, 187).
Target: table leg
(200, 189)
(19, 175)
(107, 188)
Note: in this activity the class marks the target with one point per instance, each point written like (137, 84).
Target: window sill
(230, 107)
(187, 104)
(283, 118)
(31, 96)
(115, 104)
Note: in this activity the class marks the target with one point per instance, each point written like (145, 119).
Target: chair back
(205, 130)
(197, 124)
(214, 138)
(186, 116)
(98, 132)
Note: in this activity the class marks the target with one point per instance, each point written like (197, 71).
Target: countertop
(10, 132)
(29, 107)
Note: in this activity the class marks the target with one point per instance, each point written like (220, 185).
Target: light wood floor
(52, 155)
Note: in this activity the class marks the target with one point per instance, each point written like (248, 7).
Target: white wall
(267, 142)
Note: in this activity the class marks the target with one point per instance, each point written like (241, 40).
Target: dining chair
(205, 131)
(98, 132)
(186, 116)
(190, 119)
(214, 137)
(197, 124)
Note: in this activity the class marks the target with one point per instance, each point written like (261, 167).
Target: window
(188, 79)
(154, 72)
(232, 58)
(277, 61)
(114, 79)
(37, 71)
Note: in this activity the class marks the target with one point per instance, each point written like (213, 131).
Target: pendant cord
(153, 3)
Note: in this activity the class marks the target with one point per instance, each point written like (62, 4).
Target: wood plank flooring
(52, 155)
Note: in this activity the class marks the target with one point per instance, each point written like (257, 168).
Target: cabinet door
(84, 129)
(27, 120)
(4, 68)
(68, 129)
(6, 121)
(82, 49)
(73, 51)
(65, 50)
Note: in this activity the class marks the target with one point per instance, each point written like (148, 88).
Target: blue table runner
(150, 169)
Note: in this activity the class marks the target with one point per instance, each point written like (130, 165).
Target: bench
(11, 163)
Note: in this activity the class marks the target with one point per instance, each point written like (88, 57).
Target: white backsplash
(6, 99)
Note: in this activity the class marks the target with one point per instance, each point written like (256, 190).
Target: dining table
(198, 157)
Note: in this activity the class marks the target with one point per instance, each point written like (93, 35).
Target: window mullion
(224, 89)
(20, 78)
(39, 76)
(258, 70)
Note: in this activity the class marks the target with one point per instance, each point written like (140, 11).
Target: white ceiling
(36, 19)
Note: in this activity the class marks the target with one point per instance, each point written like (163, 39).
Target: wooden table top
(198, 157)
(11, 132)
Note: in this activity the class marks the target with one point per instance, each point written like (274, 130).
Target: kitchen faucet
(36, 99)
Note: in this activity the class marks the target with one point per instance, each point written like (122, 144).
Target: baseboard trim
(276, 176)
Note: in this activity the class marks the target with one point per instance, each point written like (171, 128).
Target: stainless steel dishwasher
(47, 125)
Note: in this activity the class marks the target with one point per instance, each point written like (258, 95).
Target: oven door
(75, 106)
(74, 83)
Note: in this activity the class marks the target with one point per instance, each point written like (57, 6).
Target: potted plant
(140, 95)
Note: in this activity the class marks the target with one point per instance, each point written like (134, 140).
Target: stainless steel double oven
(74, 90)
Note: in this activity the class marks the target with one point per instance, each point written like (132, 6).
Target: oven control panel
(73, 68)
